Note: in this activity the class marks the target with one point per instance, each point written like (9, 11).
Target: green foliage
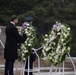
(45, 13)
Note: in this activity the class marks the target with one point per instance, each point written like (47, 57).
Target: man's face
(16, 21)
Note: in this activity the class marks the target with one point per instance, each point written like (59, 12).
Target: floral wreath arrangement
(57, 44)
(25, 49)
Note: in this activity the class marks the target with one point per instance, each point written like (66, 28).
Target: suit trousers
(9, 64)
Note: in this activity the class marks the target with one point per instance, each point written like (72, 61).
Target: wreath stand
(31, 70)
(63, 64)
(63, 69)
(1, 66)
(1, 40)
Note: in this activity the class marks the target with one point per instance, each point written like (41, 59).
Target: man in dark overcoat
(13, 38)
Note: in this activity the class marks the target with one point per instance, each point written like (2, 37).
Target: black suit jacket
(12, 40)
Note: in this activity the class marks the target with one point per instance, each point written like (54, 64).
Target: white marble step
(56, 73)
(41, 68)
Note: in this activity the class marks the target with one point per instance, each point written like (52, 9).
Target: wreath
(56, 50)
(25, 49)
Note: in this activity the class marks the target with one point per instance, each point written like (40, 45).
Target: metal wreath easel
(0, 38)
(52, 66)
(31, 70)
(68, 55)
(1, 66)
(63, 65)
(35, 51)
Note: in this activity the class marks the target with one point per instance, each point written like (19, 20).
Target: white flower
(50, 35)
(44, 58)
(43, 51)
(68, 48)
(62, 26)
(69, 28)
(58, 28)
(25, 29)
(46, 35)
(23, 59)
(25, 51)
(50, 58)
(28, 24)
(26, 32)
(29, 34)
(47, 49)
(22, 54)
(57, 50)
(44, 47)
(64, 48)
(44, 54)
(29, 44)
(52, 54)
(56, 56)
(58, 46)
(64, 44)
(22, 46)
(55, 61)
(64, 34)
(45, 39)
(58, 33)
(62, 40)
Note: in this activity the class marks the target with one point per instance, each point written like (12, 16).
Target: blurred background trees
(44, 12)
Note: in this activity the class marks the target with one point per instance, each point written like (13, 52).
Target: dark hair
(13, 17)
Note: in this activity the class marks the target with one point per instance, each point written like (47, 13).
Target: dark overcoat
(13, 38)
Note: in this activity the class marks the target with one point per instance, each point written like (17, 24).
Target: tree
(44, 12)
